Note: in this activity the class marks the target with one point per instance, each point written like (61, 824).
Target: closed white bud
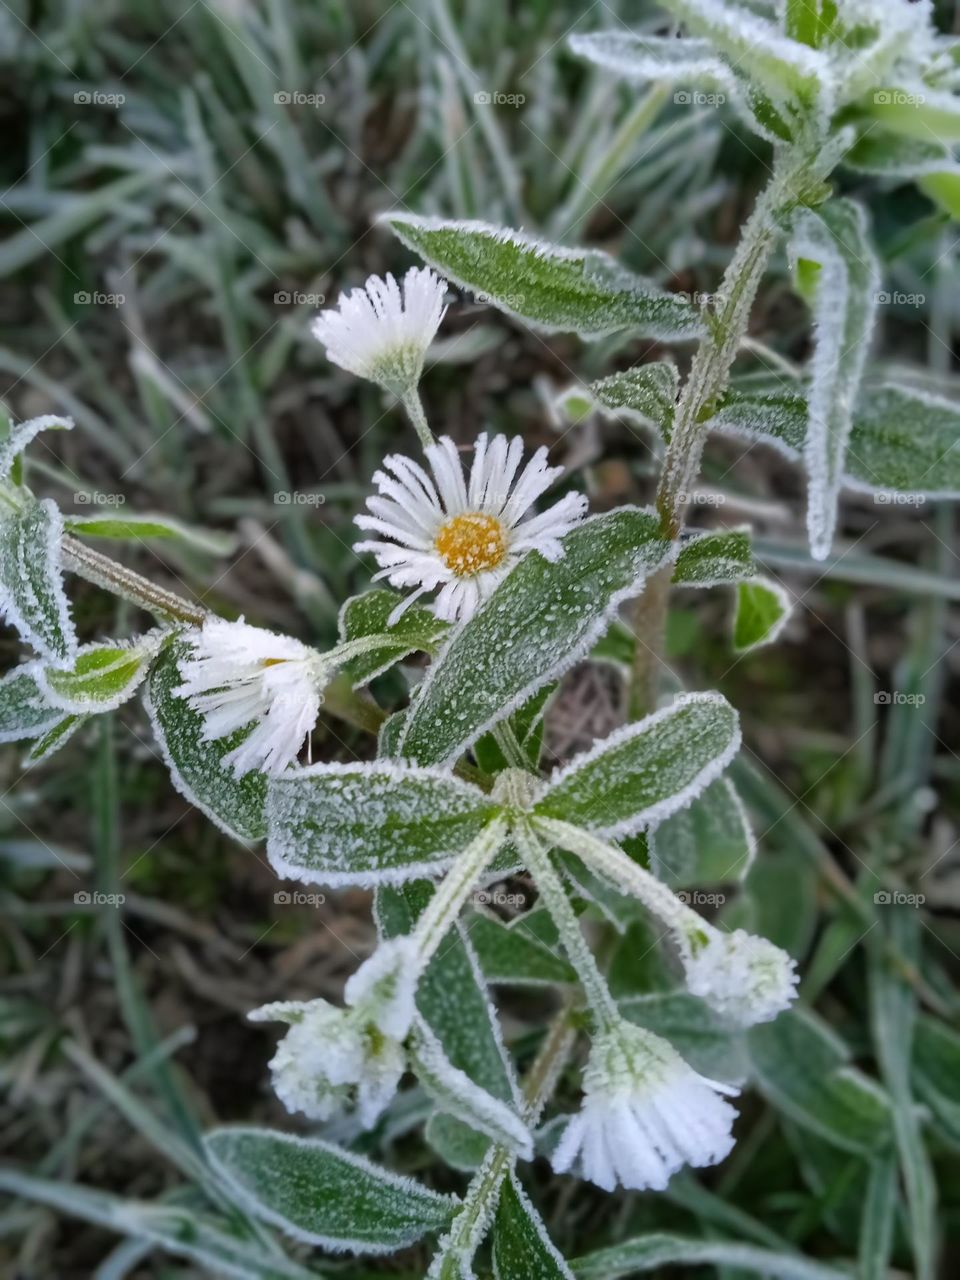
(744, 977)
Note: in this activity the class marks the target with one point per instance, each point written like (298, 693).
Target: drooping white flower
(237, 675)
(385, 986)
(382, 331)
(332, 1060)
(645, 1114)
(744, 977)
(463, 536)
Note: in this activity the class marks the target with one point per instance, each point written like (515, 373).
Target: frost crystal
(744, 977)
(645, 1114)
(382, 331)
(463, 537)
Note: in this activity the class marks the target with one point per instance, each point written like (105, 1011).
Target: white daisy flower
(645, 1114)
(744, 977)
(332, 1060)
(382, 331)
(237, 675)
(464, 537)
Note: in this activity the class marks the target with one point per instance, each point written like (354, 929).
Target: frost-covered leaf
(643, 57)
(714, 559)
(936, 1073)
(887, 156)
(236, 805)
(643, 772)
(368, 615)
(805, 1071)
(647, 392)
(370, 823)
(138, 528)
(763, 608)
(550, 287)
(651, 1252)
(710, 842)
(540, 620)
(54, 739)
(702, 1037)
(323, 1195)
(522, 1249)
(19, 436)
(834, 242)
(916, 111)
(510, 956)
(24, 710)
(32, 598)
(101, 678)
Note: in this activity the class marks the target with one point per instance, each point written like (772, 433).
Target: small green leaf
(550, 287)
(138, 528)
(24, 710)
(236, 805)
(540, 620)
(323, 1195)
(522, 1250)
(370, 823)
(651, 1252)
(647, 392)
(936, 1066)
(643, 772)
(708, 843)
(19, 437)
(509, 956)
(368, 616)
(102, 676)
(714, 559)
(915, 111)
(54, 739)
(32, 598)
(763, 608)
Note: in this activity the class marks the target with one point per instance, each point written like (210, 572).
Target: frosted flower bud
(385, 986)
(645, 1114)
(237, 676)
(332, 1060)
(382, 331)
(744, 977)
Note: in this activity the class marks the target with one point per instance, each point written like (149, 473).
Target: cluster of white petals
(645, 1114)
(744, 977)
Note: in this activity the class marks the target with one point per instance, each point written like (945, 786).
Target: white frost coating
(32, 598)
(385, 1178)
(386, 983)
(21, 435)
(24, 711)
(844, 312)
(463, 535)
(744, 977)
(461, 1097)
(383, 331)
(722, 568)
(87, 700)
(650, 814)
(563, 1272)
(784, 600)
(645, 1114)
(494, 1021)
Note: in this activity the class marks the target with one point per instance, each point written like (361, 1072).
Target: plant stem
(414, 408)
(129, 585)
(443, 908)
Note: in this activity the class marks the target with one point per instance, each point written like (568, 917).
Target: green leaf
(32, 598)
(943, 188)
(19, 437)
(138, 528)
(323, 1195)
(370, 823)
(804, 1071)
(550, 287)
(915, 111)
(236, 805)
(527, 726)
(844, 306)
(24, 710)
(714, 559)
(509, 956)
(647, 392)
(54, 739)
(936, 1066)
(708, 843)
(887, 156)
(522, 1250)
(367, 615)
(540, 620)
(879, 1219)
(647, 1253)
(643, 772)
(763, 608)
(102, 676)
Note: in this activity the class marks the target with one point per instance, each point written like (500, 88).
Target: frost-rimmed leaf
(32, 598)
(510, 956)
(20, 436)
(102, 677)
(701, 1036)
(522, 1249)
(845, 296)
(886, 155)
(550, 287)
(368, 615)
(936, 1070)
(540, 620)
(323, 1195)
(54, 739)
(647, 392)
(916, 111)
(24, 711)
(368, 824)
(137, 528)
(763, 610)
(709, 842)
(650, 1252)
(643, 57)
(235, 805)
(714, 559)
(643, 772)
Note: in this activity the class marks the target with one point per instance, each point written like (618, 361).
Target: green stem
(444, 907)
(129, 585)
(414, 408)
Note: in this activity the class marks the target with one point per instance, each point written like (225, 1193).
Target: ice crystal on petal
(744, 977)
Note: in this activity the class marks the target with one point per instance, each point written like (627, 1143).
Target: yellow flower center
(470, 543)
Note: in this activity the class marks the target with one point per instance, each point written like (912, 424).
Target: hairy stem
(444, 907)
(414, 408)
